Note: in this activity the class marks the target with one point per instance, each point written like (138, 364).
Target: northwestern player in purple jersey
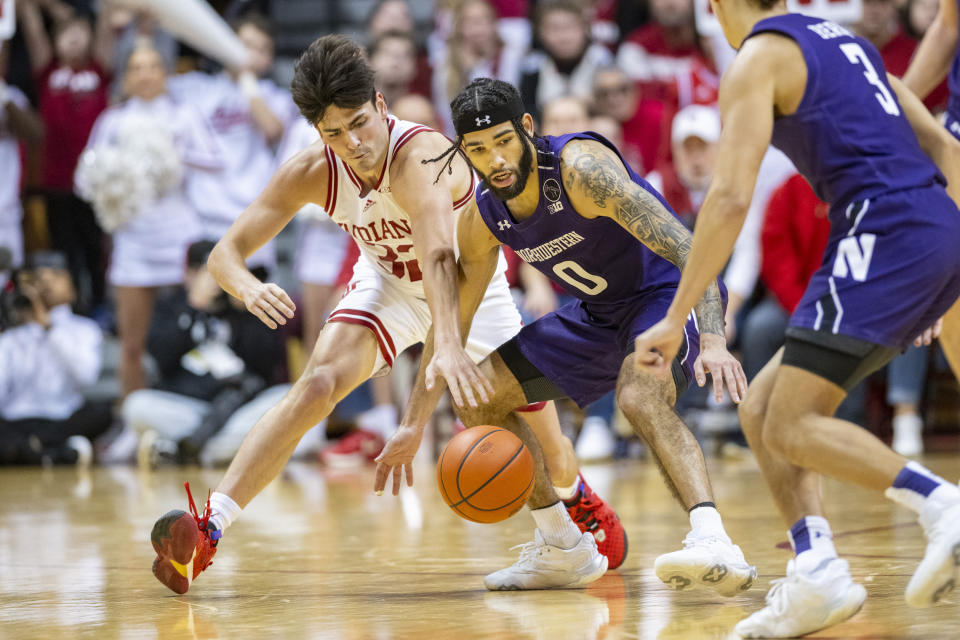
(937, 54)
(571, 207)
(890, 270)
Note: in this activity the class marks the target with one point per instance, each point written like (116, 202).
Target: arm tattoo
(598, 175)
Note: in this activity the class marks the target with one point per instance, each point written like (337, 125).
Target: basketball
(485, 474)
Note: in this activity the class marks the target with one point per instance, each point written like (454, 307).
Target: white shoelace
(529, 552)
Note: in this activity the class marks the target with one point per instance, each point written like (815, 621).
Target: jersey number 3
(856, 55)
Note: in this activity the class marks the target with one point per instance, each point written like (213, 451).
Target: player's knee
(641, 405)
(752, 412)
(317, 387)
(781, 439)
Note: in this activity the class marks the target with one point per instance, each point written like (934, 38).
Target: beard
(522, 173)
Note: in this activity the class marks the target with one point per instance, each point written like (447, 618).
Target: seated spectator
(18, 121)
(145, 148)
(609, 128)
(880, 24)
(471, 50)
(46, 363)
(667, 57)
(644, 122)
(416, 108)
(392, 16)
(566, 60)
(694, 136)
(247, 114)
(393, 58)
(565, 114)
(214, 359)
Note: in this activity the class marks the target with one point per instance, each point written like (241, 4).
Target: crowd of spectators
(124, 155)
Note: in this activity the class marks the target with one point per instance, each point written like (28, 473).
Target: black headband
(475, 119)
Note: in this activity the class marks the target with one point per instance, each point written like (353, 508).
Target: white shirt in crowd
(10, 211)
(43, 371)
(149, 248)
(553, 84)
(219, 197)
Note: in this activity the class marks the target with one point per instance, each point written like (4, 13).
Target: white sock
(705, 522)
(813, 536)
(567, 493)
(922, 491)
(556, 526)
(223, 510)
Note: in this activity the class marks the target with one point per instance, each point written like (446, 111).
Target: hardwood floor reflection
(318, 555)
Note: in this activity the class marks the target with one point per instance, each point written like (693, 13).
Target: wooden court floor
(318, 555)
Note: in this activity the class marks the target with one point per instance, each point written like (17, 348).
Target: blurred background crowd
(124, 155)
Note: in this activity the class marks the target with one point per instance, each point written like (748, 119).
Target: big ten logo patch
(552, 192)
(841, 11)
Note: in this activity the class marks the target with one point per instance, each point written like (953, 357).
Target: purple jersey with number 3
(595, 260)
(891, 265)
(849, 136)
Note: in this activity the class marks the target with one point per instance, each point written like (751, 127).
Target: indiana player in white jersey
(369, 174)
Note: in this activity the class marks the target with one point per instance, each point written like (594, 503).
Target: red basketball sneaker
(353, 450)
(591, 513)
(185, 545)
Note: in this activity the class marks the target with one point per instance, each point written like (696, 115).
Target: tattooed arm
(598, 185)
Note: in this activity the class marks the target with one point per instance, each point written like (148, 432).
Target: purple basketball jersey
(849, 137)
(594, 260)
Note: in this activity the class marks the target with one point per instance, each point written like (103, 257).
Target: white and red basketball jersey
(379, 226)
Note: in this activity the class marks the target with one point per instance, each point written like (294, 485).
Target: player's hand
(657, 346)
(396, 456)
(540, 300)
(462, 375)
(270, 303)
(717, 361)
(928, 336)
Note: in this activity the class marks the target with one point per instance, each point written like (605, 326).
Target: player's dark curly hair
(480, 95)
(332, 71)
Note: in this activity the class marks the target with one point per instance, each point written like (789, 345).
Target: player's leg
(708, 558)
(134, 310)
(832, 596)
(344, 356)
(560, 555)
(497, 321)
(558, 451)
(950, 337)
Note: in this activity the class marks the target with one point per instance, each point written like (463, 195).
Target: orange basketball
(485, 474)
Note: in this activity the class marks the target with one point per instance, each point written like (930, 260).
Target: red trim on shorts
(333, 176)
(372, 322)
(531, 408)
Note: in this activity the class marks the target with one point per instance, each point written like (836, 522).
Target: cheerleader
(134, 170)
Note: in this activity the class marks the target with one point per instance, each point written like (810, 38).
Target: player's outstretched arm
(936, 51)
(934, 139)
(300, 180)
(478, 261)
(748, 97)
(428, 200)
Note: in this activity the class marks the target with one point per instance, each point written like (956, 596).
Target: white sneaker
(543, 566)
(712, 562)
(549, 618)
(939, 570)
(908, 435)
(799, 604)
(596, 440)
(84, 450)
